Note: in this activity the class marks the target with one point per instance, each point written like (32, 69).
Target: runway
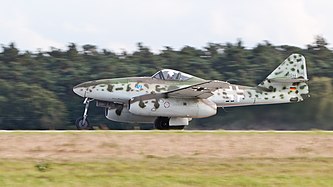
(100, 144)
(167, 131)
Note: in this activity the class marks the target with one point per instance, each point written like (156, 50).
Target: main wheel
(162, 123)
(82, 125)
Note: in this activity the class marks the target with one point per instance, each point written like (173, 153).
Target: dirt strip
(91, 146)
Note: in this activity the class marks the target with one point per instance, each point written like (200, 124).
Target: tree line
(36, 87)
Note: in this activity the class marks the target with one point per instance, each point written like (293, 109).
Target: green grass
(173, 171)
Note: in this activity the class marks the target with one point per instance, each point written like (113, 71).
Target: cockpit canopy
(170, 74)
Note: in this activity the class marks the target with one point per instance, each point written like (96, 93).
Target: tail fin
(289, 76)
(293, 67)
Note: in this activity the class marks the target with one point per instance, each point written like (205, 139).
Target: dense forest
(36, 87)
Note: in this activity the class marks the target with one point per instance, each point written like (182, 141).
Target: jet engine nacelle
(125, 116)
(174, 107)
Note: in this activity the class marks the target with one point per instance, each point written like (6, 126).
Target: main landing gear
(162, 123)
(82, 123)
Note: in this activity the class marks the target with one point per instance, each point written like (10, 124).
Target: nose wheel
(82, 123)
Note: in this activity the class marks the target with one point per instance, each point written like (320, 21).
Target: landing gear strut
(82, 123)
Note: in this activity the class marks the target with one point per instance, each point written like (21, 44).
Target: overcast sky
(119, 25)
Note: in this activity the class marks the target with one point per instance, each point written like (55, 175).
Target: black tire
(162, 123)
(82, 126)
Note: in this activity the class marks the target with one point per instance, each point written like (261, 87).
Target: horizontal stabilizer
(287, 80)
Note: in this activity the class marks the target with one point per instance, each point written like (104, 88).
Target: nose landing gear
(82, 123)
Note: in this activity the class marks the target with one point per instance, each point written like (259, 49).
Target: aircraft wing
(201, 90)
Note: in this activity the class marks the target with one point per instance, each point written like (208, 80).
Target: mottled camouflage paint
(126, 88)
(292, 68)
(156, 104)
(174, 107)
(287, 83)
(142, 104)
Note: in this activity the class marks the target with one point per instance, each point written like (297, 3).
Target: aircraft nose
(79, 90)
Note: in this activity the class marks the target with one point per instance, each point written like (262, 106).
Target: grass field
(104, 158)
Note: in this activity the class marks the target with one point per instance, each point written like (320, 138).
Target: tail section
(294, 67)
(290, 78)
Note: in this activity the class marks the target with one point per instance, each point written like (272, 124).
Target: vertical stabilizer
(294, 67)
(290, 76)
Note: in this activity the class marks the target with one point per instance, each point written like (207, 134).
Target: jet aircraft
(170, 98)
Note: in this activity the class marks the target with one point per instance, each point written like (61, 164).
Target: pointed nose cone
(79, 90)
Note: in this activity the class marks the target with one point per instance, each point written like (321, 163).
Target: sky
(118, 25)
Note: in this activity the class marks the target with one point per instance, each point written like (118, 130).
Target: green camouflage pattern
(148, 96)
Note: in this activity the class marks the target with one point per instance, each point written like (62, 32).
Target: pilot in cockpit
(170, 76)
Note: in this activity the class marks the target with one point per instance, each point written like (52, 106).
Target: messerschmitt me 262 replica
(170, 98)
